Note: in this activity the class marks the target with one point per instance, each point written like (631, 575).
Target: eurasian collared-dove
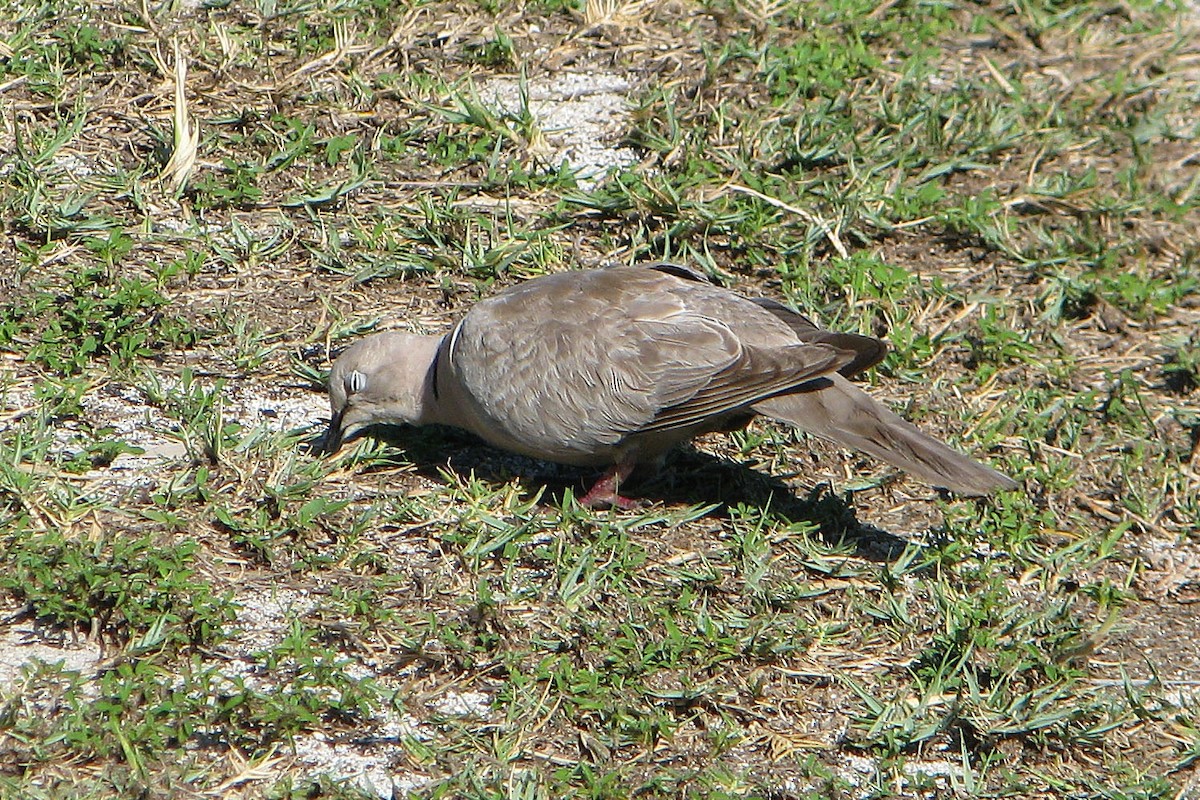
(613, 367)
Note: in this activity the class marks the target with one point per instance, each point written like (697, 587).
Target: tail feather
(834, 409)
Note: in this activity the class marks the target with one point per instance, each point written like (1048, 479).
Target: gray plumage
(614, 367)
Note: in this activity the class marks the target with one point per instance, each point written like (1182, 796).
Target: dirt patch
(580, 115)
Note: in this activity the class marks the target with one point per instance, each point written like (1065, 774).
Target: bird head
(381, 380)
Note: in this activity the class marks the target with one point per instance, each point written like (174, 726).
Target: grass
(1006, 192)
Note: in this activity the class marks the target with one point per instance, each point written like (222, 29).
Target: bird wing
(868, 351)
(579, 361)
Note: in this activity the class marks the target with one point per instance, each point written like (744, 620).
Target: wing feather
(578, 362)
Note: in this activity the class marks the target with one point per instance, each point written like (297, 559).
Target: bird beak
(333, 436)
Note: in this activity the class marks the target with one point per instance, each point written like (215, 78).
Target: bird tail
(834, 409)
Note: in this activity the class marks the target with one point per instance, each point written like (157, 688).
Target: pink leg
(604, 494)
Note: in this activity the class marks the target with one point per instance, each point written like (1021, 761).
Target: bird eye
(355, 382)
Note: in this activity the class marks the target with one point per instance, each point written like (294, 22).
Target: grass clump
(120, 587)
(93, 319)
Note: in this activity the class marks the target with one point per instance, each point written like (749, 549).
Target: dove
(614, 367)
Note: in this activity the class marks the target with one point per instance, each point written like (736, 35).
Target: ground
(201, 204)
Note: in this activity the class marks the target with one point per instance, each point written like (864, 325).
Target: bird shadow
(691, 477)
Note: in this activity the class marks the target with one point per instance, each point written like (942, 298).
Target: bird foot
(607, 499)
(604, 494)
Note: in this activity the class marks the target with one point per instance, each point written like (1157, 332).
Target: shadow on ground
(691, 478)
